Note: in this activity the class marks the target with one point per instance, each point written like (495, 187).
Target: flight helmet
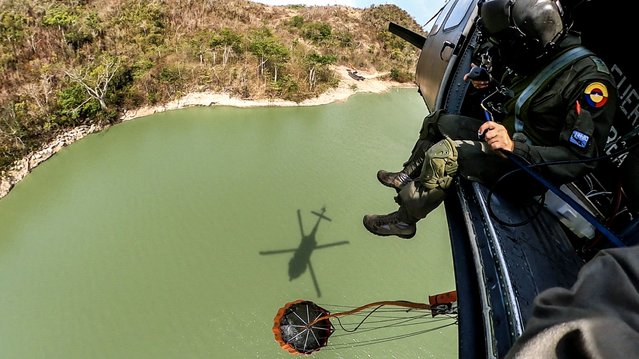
(524, 31)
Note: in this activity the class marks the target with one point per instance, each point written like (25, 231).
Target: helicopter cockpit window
(442, 15)
(458, 14)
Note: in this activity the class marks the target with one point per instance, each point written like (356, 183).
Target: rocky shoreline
(21, 168)
(347, 87)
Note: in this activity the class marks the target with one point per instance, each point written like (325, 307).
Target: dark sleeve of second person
(585, 99)
(598, 317)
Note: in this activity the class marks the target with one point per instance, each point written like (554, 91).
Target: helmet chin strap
(552, 45)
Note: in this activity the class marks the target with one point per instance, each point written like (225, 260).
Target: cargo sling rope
(376, 305)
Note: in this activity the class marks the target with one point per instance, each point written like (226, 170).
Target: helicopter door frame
(439, 54)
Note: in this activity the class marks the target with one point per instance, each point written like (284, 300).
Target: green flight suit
(567, 120)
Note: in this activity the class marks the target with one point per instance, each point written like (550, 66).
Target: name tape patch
(579, 138)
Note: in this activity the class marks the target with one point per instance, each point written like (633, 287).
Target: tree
(317, 31)
(62, 17)
(278, 54)
(96, 82)
(316, 61)
(143, 23)
(230, 42)
(297, 21)
(258, 46)
(72, 105)
(199, 44)
(268, 48)
(11, 29)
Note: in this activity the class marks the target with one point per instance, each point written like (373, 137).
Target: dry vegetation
(73, 62)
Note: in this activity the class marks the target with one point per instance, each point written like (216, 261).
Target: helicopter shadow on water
(301, 259)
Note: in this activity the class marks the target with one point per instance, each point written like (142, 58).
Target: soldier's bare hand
(496, 136)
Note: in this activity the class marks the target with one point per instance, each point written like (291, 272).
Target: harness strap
(549, 72)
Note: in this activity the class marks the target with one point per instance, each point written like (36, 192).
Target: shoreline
(347, 87)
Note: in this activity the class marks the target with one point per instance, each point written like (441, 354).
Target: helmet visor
(517, 50)
(509, 37)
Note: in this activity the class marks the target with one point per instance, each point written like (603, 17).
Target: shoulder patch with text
(596, 95)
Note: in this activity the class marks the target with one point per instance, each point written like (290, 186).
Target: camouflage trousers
(449, 146)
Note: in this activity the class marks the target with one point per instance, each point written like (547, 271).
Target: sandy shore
(346, 88)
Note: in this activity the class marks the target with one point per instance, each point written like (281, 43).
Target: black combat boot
(395, 180)
(389, 225)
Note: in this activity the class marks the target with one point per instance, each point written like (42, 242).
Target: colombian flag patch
(596, 94)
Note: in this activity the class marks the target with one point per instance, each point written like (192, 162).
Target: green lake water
(172, 236)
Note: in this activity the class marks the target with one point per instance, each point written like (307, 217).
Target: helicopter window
(442, 16)
(458, 14)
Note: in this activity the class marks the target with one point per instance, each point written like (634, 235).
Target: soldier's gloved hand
(479, 77)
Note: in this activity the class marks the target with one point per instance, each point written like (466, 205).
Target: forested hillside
(73, 62)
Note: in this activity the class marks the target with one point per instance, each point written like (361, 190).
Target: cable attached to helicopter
(586, 214)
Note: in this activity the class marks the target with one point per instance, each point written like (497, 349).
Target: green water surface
(173, 236)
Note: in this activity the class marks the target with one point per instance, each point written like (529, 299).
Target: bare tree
(96, 83)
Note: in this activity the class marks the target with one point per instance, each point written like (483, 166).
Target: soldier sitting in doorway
(566, 117)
